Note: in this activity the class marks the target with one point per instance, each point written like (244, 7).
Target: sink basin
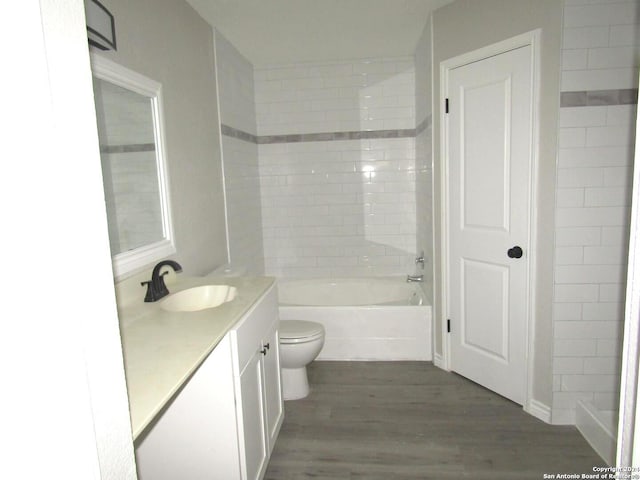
(199, 298)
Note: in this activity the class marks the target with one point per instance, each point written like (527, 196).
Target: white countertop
(162, 349)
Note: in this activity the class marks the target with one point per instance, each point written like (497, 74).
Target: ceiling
(270, 32)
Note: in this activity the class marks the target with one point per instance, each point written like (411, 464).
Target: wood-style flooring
(411, 420)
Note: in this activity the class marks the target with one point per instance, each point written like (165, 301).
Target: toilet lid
(291, 329)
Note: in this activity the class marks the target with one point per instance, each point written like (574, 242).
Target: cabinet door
(194, 438)
(252, 419)
(274, 406)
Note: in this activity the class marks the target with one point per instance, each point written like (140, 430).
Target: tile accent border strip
(136, 147)
(333, 136)
(586, 98)
(324, 136)
(422, 126)
(239, 134)
(595, 98)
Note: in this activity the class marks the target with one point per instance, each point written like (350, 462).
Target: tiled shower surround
(337, 167)
(334, 194)
(593, 197)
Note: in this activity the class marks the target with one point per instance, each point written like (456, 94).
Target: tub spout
(415, 278)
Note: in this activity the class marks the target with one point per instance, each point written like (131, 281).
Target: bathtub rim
(418, 287)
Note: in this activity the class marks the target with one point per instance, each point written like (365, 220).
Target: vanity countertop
(162, 349)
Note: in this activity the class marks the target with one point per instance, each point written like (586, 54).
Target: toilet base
(294, 383)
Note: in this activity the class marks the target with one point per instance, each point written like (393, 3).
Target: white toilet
(300, 344)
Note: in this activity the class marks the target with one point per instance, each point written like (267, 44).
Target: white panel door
(489, 165)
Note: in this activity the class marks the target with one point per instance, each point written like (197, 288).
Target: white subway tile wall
(600, 45)
(240, 158)
(595, 157)
(371, 94)
(338, 208)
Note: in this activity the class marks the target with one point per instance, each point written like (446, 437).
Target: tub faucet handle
(420, 260)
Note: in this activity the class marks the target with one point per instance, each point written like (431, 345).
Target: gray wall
(424, 159)
(240, 157)
(467, 25)
(169, 42)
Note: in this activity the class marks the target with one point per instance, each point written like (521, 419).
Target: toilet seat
(299, 331)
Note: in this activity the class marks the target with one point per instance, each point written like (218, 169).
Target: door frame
(531, 39)
(628, 440)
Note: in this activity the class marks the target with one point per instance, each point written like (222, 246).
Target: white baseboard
(438, 361)
(539, 410)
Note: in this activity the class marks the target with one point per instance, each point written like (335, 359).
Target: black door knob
(515, 252)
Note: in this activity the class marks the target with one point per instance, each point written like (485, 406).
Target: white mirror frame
(129, 262)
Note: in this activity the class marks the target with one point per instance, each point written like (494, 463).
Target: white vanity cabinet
(224, 422)
(257, 372)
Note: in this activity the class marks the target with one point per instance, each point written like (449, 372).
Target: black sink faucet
(156, 289)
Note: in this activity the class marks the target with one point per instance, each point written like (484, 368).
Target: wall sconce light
(101, 28)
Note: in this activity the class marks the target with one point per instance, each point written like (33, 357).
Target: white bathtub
(364, 319)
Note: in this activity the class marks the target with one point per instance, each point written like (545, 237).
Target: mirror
(129, 118)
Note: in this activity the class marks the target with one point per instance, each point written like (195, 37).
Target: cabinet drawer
(248, 334)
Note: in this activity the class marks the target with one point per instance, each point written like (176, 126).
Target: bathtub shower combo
(364, 319)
